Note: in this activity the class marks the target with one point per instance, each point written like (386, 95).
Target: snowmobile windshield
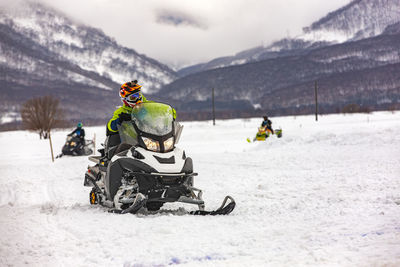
(152, 127)
(153, 118)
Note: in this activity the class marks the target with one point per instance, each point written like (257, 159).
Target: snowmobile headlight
(151, 144)
(169, 144)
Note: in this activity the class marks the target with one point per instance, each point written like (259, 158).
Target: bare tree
(42, 114)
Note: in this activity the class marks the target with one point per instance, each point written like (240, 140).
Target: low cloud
(179, 19)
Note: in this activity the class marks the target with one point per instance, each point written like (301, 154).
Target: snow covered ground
(326, 194)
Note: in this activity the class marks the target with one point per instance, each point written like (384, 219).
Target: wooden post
(213, 107)
(316, 101)
(51, 148)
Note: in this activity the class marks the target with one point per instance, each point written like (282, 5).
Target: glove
(124, 117)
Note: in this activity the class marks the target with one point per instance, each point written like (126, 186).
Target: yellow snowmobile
(263, 133)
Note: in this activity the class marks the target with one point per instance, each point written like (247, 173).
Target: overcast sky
(185, 32)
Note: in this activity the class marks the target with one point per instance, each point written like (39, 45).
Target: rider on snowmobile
(267, 123)
(131, 95)
(79, 132)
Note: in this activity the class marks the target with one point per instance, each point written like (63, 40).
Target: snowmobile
(263, 133)
(141, 168)
(73, 146)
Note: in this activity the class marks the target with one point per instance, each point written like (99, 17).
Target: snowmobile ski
(249, 140)
(224, 209)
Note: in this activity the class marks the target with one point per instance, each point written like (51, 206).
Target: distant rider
(79, 132)
(267, 123)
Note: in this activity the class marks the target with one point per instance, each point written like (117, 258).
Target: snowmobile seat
(112, 142)
(102, 151)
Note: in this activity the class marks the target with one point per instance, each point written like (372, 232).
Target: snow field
(325, 194)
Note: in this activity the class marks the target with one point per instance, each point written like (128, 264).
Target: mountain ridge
(284, 77)
(357, 20)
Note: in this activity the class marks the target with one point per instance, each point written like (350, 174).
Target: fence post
(51, 148)
(316, 101)
(213, 107)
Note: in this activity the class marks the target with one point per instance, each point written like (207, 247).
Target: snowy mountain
(280, 79)
(357, 20)
(45, 52)
(87, 47)
(364, 72)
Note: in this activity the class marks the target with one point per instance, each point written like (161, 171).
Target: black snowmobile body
(141, 168)
(159, 187)
(74, 147)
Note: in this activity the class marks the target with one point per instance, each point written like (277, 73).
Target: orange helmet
(130, 93)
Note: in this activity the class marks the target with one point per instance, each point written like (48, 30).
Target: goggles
(133, 98)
